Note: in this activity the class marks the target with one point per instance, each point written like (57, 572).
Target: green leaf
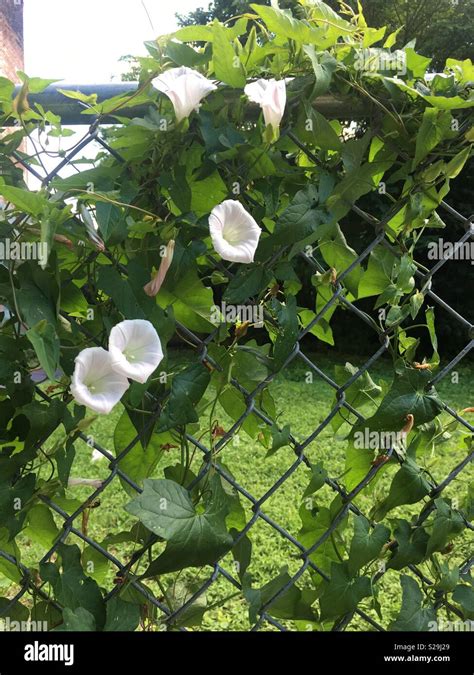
(358, 183)
(378, 275)
(342, 593)
(90, 99)
(96, 564)
(194, 34)
(288, 330)
(234, 404)
(411, 545)
(409, 486)
(77, 620)
(318, 478)
(187, 389)
(242, 553)
(24, 200)
(46, 344)
(280, 438)
(207, 193)
(407, 395)
(41, 527)
(178, 595)
(282, 23)
(455, 165)
(322, 13)
(184, 55)
(12, 494)
(15, 612)
(430, 322)
(433, 129)
(35, 85)
(193, 538)
(112, 223)
(464, 595)
(249, 281)
(293, 604)
(300, 218)
(227, 65)
(447, 524)
(121, 616)
(38, 294)
(360, 393)
(7, 89)
(417, 64)
(324, 65)
(366, 543)
(449, 577)
(8, 569)
(140, 462)
(373, 35)
(115, 286)
(358, 464)
(206, 33)
(314, 128)
(339, 255)
(315, 522)
(72, 588)
(413, 616)
(190, 299)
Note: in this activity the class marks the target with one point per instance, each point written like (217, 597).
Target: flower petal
(185, 88)
(271, 97)
(234, 232)
(95, 383)
(135, 349)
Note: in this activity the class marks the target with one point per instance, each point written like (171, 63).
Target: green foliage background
(415, 138)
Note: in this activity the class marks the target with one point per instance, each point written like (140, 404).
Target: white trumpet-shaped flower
(271, 97)
(95, 383)
(185, 88)
(135, 349)
(234, 232)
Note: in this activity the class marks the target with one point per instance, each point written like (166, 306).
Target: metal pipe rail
(71, 111)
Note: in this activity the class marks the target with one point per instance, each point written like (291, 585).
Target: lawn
(303, 405)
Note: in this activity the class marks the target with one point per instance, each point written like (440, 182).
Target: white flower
(271, 97)
(135, 349)
(234, 232)
(185, 87)
(95, 383)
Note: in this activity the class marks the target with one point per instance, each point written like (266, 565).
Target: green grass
(304, 406)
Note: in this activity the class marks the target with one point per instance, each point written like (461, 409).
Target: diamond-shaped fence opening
(300, 556)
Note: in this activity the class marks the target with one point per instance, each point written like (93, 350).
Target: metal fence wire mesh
(167, 617)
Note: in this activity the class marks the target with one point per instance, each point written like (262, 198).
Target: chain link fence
(169, 616)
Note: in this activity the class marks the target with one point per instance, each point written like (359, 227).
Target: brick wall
(11, 38)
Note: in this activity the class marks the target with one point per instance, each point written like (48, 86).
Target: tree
(440, 32)
(223, 10)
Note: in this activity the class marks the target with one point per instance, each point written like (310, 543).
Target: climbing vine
(263, 142)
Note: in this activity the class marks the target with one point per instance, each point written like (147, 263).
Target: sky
(80, 41)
